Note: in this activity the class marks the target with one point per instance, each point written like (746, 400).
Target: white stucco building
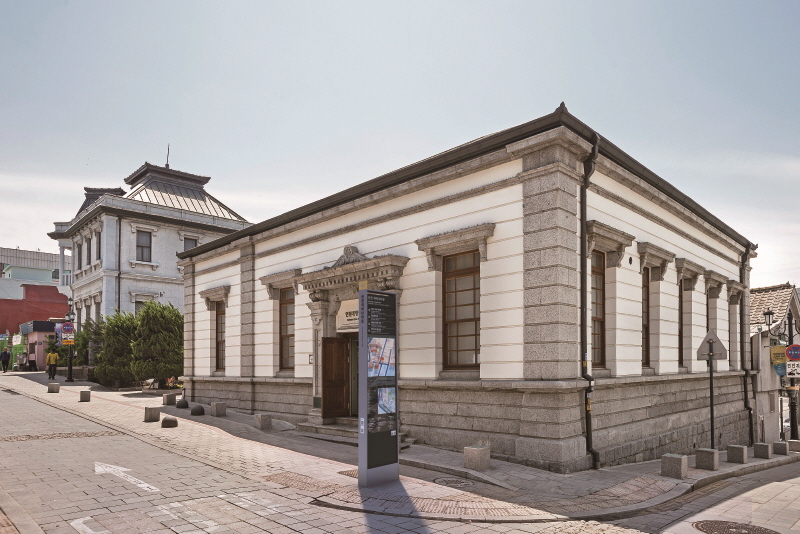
(513, 256)
(124, 245)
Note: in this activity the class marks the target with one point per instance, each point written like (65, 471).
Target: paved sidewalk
(324, 472)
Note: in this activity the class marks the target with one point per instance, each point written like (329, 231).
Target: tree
(114, 360)
(158, 345)
(89, 341)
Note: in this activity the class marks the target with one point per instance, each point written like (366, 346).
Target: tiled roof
(173, 194)
(775, 298)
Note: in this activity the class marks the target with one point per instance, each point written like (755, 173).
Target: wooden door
(335, 375)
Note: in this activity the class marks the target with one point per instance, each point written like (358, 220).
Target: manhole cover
(453, 482)
(727, 527)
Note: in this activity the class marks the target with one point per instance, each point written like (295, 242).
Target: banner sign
(58, 334)
(16, 340)
(777, 354)
(780, 369)
(793, 369)
(378, 445)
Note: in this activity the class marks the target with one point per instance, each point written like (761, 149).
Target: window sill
(285, 373)
(460, 374)
(134, 263)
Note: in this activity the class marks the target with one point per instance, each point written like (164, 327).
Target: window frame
(88, 251)
(99, 251)
(79, 256)
(646, 317)
(219, 340)
(281, 336)
(140, 249)
(601, 272)
(460, 273)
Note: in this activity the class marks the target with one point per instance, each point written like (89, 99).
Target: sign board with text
(777, 354)
(793, 369)
(793, 353)
(378, 444)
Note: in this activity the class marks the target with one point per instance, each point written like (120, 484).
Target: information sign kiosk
(378, 445)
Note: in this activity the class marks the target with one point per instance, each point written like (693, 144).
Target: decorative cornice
(215, 294)
(380, 271)
(146, 295)
(349, 255)
(714, 282)
(688, 270)
(735, 291)
(277, 281)
(611, 241)
(472, 237)
(656, 258)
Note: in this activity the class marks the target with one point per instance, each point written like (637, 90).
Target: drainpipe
(588, 170)
(743, 340)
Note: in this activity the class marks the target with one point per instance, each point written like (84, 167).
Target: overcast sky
(282, 103)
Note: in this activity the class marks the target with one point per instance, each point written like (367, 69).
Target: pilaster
(664, 326)
(320, 322)
(247, 311)
(550, 226)
(189, 299)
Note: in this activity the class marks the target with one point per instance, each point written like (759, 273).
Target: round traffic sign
(793, 352)
(68, 328)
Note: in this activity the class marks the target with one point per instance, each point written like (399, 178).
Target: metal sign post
(378, 425)
(716, 351)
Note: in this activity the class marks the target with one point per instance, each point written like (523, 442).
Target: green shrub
(114, 360)
(157, 351)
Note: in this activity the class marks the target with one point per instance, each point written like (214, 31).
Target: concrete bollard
(53, 387)
(152, 414)
(198, 410)
(762, 450)
(263, 421)
(794, 445)
(780, 447)
(169, 422)
(707, 459)
(674, 466)
(183, 403)
(218, 409)
(86, 396)
(737, 454)
(169, 399)
(477, 458)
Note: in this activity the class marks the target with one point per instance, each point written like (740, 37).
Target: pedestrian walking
(5, 357)
(52, 361)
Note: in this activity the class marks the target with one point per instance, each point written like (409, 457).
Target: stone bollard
(674, 466)
(794, 445)
(152, 414)
(477, 458)
(86, 396)
(762, 450)
(169, 399)
(707, 459)
(53, 387)
(263, 421)
(780, 447)
(218, 409)
(183, 403)
(198, 410)
(737, 454)
(169, 422)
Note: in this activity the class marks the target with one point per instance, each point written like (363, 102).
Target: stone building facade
(123, 245)
(484, 245)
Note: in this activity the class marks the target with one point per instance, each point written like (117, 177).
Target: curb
(21, 520)
(462, 472)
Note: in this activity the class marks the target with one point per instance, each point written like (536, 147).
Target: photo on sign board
(387, 400)
(381, 357)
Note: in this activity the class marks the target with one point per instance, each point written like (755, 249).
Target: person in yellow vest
(52, 361)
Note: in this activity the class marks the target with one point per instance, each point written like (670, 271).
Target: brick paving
(221, 475)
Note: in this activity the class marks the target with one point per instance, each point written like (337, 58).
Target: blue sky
(282, 103)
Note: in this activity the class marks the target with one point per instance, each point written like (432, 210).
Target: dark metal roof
(176, 195)
(467, 151)
(93, 193)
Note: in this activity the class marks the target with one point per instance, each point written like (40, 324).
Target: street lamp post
(789, 331)
(70, 317)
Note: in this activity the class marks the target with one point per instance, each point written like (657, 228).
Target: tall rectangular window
(462, 327)
(646, 317)
(287, 328)
(219, 336)
(143, 246)
(189, 242)
(99, 253)
(88, 251)
(598, 309)
(79, 257)
(680, 323)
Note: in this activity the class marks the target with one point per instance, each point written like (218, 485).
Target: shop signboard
(16, 339)
(58, 334)
(777, 354)
(378, 445)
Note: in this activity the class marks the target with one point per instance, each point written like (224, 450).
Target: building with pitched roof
(124, 245)
(783, 303)
(553, 295)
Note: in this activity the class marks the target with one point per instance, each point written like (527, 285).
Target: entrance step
(341, 433)
(347, 421)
